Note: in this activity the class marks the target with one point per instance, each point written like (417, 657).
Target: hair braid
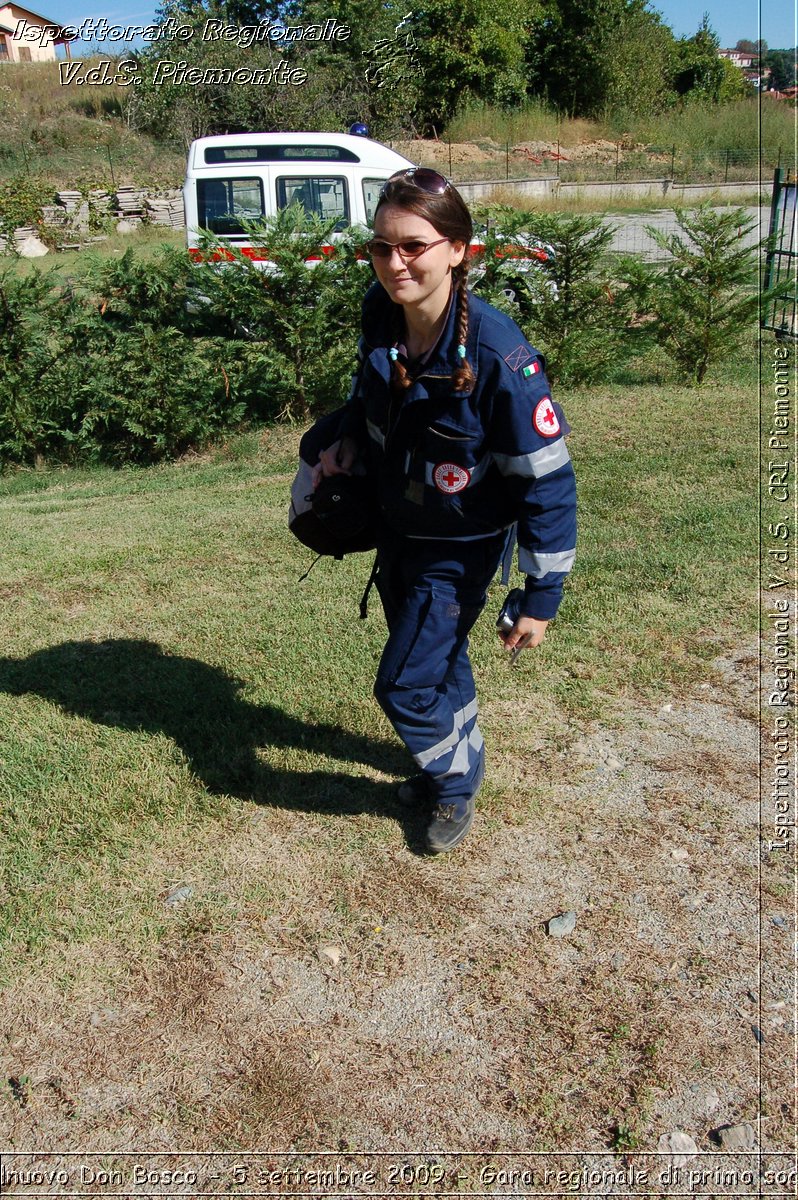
(463, 376)
(401, 379)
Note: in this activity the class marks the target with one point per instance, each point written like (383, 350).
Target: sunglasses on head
(423, 177)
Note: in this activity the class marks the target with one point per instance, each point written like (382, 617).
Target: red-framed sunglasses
(412, 248)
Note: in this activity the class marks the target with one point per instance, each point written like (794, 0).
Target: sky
(734, 19)
(773, 20)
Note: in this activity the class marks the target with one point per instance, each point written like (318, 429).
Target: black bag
(336, 518)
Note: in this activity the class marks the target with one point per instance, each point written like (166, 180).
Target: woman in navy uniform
(452, 415)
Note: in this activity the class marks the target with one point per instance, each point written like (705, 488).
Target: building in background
(27, 36)
(748, 62)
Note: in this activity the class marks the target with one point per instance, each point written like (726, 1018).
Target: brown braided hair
(448, 213)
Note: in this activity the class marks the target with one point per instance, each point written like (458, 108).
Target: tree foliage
(410, 71)
(702, 75)
(782, 64)
(470, 50)
(702, 299)
(590, 56)
(139, 360)
(301, 318)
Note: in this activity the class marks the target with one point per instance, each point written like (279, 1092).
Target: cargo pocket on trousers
(405, 635)
(432, 627)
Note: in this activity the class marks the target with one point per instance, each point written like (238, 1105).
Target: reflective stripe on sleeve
(538, 565)
(534, 465)
(376, 433)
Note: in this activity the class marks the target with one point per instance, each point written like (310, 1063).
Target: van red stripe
(259, 254)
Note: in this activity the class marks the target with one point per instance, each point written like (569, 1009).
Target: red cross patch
(544, 418)
(449, 478)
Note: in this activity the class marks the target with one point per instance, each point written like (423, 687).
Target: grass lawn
(145, 242)
(179, 711)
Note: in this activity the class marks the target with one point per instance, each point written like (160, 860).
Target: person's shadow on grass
(134, 685)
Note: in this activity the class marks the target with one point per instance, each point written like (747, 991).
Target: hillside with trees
(410, 73)
(557, 71)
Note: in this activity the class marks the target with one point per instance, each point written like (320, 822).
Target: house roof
(38, 18)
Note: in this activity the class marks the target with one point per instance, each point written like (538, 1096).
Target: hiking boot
(415, 792)
(446, 829)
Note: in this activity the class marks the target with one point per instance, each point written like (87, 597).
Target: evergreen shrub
(141, 359)
(567, 306)
(698, 303)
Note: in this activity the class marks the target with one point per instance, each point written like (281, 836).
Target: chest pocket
(451, 457)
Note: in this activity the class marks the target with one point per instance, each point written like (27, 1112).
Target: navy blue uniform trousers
(432, 592)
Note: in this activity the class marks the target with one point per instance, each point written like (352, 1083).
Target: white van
(238, 177)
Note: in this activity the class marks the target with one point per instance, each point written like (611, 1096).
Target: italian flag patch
(531, 370)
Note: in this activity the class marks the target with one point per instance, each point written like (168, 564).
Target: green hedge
(139, 360)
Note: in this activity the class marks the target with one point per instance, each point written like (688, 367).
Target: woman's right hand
(337, 459)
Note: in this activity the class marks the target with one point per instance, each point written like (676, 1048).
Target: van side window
(371, 194)
(323, 196)
(224, 203)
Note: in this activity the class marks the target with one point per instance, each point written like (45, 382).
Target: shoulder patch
(544, 418)
(532, 369)
(516, 358)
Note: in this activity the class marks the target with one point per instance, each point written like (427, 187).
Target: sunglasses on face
(412, 248)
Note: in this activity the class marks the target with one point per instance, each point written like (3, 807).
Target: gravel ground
(459, 1022)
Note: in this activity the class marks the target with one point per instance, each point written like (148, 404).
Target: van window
(325, 196)
(371, 194)
(223, 154)
(224, 203)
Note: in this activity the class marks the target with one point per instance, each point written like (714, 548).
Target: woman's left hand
(527, 631)
(337, 459)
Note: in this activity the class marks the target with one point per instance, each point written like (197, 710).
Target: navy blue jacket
(458, 465)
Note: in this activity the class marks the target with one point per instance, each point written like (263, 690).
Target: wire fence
(631, 232)
(597, 162)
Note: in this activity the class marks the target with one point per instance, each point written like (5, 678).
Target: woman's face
(423, 282)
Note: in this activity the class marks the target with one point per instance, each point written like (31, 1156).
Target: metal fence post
(778, 183)
(780, 313)
(673, 162)
(507, 160)
(726, 176)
